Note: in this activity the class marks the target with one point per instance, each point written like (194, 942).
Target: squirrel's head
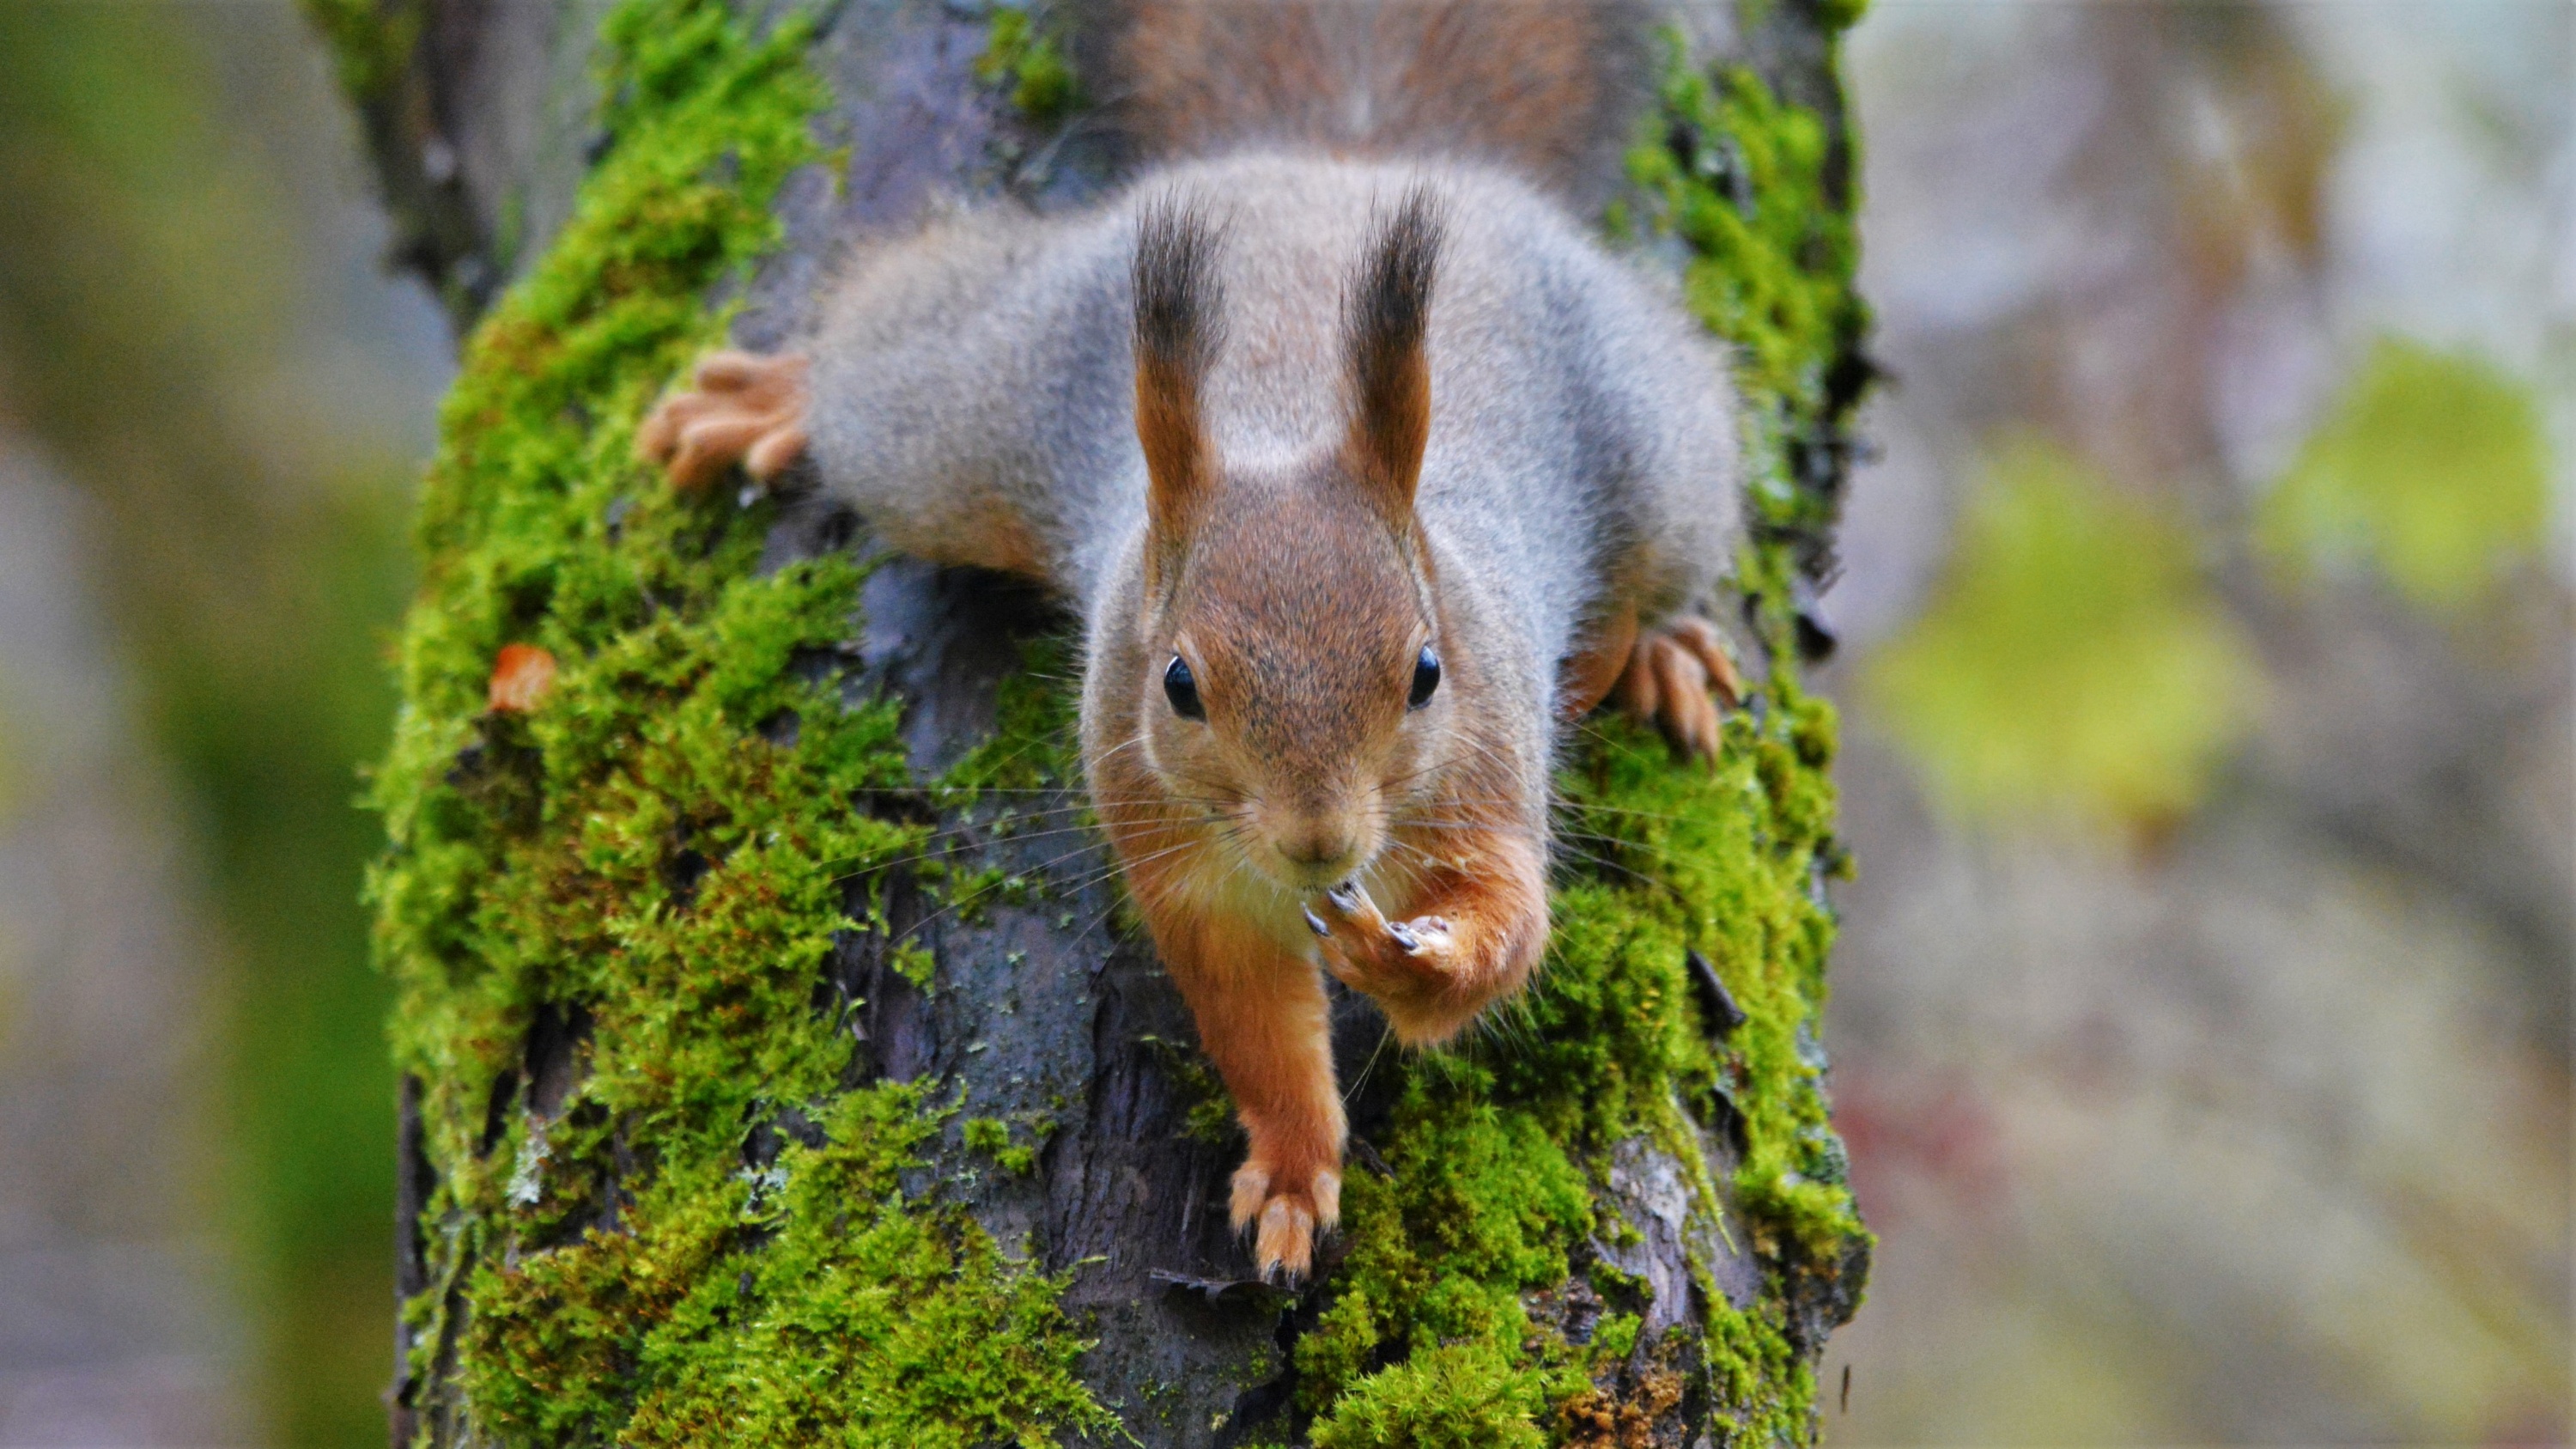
(1294, 690)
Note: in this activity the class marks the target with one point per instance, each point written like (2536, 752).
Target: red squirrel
(1368, 468)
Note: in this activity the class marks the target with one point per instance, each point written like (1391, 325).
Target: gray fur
(1583, 425)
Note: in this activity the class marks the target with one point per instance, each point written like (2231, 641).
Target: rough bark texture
(869, 953)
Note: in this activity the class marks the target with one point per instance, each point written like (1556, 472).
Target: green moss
(866, 1318)
(1482, 1206)
(1453, 1396)
(1030, 64)
(1614, 1338)
(1750, 182)
(913, 962)
(992, 1137)
(772, 1308)
(655, 850)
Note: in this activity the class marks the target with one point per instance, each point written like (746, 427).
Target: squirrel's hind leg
(1678, 679)
(744, 409)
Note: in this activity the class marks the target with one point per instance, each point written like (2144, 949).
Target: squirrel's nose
(1320, 850)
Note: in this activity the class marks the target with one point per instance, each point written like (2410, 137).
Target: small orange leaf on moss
(520, 677)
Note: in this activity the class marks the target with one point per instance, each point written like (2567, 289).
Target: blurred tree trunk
(1039, 1013)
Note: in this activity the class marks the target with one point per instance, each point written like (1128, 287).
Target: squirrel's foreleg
(1479, 924)
(1264, 1021)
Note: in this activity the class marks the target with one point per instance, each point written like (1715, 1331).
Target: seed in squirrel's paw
(1422, 937)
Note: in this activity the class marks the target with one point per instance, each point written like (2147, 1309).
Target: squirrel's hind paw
(1285, 1222)
(1679, 679)
(744, 408)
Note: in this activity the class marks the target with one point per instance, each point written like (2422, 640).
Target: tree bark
(1038, 1012)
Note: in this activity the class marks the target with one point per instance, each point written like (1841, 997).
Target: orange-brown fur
(1545, 86)
(1297, 768)
(1594, 669)
(1300, 603)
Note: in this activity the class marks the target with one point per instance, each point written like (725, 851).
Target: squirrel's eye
(1182, 688)
(1426, 677)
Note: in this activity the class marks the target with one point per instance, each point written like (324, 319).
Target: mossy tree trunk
(779, 1062)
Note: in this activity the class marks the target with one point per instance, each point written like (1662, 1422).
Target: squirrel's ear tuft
(1389, 323)
(1179, 304)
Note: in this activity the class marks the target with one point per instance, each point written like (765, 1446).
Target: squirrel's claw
(1284, 1221)
(1700, 638)
(776, 449)
(1357, 922)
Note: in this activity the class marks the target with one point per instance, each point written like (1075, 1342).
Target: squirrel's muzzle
(1314, 848)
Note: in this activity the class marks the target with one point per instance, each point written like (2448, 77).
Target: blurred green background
(212, 403)
(2201, 1018)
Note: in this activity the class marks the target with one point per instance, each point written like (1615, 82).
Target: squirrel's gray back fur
(973, 385)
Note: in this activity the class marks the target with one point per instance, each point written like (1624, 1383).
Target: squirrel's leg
(1480, 923)
(745, 408)
(1672, 673)
(1264, 1021)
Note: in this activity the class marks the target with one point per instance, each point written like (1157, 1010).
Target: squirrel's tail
(1551, 88)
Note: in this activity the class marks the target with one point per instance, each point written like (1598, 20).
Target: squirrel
(1367, 467)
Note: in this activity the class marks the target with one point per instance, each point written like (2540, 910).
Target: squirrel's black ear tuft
(1178, 296)
(1179, 309)
(1389, 323)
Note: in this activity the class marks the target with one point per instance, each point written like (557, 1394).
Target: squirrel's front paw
(1285, 1216)
(745, 408)
(1397, 962)
(1669, 681)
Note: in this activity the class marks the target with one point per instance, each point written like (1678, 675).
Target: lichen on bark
(672, 1191)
